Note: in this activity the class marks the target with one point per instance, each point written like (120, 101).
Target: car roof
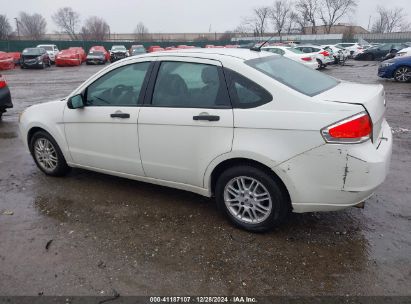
(276, 46)
(242, 54)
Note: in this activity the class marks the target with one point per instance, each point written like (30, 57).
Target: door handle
(207, 117)
(120, 115)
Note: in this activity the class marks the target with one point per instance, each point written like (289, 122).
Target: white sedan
(308, 60)
(404, 52)
(243, 126)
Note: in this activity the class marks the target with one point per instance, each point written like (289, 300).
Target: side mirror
(75, 102)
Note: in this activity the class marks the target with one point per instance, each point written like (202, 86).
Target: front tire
(402, 74)
(251, 198)
(47, 154)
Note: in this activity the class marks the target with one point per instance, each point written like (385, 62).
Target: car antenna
(258, 48)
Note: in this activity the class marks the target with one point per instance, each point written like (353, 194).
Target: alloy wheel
(403, 74)
(248, 200)
(45, 154)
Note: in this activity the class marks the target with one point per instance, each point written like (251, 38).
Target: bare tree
(308, 14)
(243, 30)
(141, 31)
(293, 23)
(68, 21)
(32, 26)
(260, 20)
(279, 14)
(390, 20)
(5, 28)
(95, 28)
(333, 10)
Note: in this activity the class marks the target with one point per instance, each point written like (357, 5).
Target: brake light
(306, 58)
(352, 130)
(325, 53)
(3, 82)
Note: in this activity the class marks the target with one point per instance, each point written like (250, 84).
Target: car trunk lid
(371, 97)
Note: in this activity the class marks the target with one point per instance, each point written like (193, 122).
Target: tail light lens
(352, 130)
(306, 58)
(325, 53)
(3, 82)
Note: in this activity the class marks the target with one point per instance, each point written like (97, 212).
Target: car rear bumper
(333, 177)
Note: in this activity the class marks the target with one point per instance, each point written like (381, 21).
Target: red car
(6, 61)
(5, 98)
(153, 48)
(16, 57)
(69, 57)
(99, 48)
(81, 51)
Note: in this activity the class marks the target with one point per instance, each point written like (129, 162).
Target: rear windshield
(293, 74)
(295, 50)
(33, 51)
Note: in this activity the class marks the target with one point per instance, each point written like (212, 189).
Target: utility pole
(17, 26)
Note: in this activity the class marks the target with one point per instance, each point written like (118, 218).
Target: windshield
(96, 53)
(47, 48)
(293, 74)
(33, 51)
(295, 50)
(118, 48)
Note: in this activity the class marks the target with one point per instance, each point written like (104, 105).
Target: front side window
(293, 75)
(246, 93)
(119, 87)
(190, 85)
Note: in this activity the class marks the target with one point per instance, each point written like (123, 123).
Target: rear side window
(293, 74)
(190, 85)
(244, 92)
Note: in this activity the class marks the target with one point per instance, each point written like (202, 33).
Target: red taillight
(355, 129)
(325, 53)
(3, 82)
(307, 59)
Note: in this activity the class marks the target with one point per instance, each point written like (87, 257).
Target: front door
(104, 134)
(187, 122)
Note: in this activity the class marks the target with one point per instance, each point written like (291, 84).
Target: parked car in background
(16, 57)
(340, 54)
(6, 61)
(51, 49)
(5, 97)
(100, 49)
(137, 50)
(308, 60)
(353, 48)
(81, 51)
(152, 47)
(96, 57)
(118, 52)
(261, 133)
(404, 52)
(398, 68)
(69, 57)
(35, 58)
(160, 49)
(382, 52)
(323, 57)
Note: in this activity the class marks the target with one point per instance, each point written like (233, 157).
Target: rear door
(187, 120)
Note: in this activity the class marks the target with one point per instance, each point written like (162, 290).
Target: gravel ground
(106, 234)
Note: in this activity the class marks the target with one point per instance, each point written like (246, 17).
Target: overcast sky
(171, 15)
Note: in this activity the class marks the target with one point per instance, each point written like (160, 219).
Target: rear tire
(47, 154)
(251, 198)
